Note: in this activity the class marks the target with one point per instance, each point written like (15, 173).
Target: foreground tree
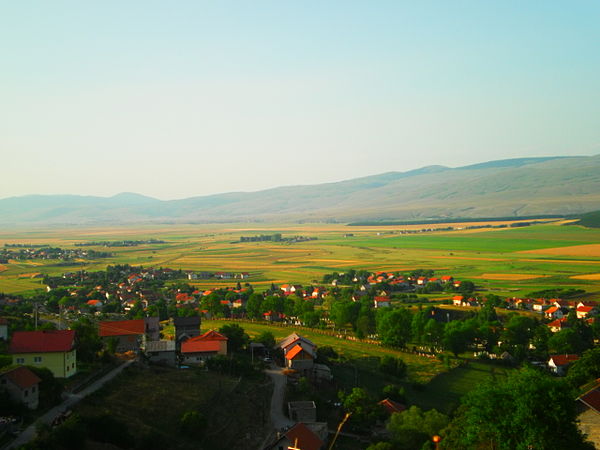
(528, 410)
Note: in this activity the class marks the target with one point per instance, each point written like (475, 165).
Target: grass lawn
(420, 369)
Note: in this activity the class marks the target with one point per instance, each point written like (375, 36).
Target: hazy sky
(175, 99)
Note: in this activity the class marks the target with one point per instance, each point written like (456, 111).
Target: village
(153, 317)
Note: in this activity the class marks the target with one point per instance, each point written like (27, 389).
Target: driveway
(29, 433)
(278, 418)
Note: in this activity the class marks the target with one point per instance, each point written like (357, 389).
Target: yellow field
(507, 276)
(576, 250)
(591, 276)
(505, 260)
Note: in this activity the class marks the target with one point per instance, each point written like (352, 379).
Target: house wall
(61, 364)
(127, 343)
(29, 397)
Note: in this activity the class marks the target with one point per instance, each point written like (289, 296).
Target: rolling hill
(506, 188)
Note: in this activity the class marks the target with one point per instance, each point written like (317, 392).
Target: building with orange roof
(198, 349)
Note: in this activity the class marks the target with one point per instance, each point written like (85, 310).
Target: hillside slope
(516, 187)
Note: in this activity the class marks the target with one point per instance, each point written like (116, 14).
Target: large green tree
(394, 326)
(528, 410)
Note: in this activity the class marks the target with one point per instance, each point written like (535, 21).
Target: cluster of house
(218, 275)
(400, 282)
(189, 346)
(55, 350)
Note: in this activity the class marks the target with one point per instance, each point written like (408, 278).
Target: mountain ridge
(511, 187)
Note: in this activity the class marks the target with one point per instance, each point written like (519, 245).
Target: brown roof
(592, 399)
(561, 360)
(22, 377)
(303, 437)
(122, 328)
(391, 406)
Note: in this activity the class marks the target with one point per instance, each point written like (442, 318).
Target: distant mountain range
(506, 188)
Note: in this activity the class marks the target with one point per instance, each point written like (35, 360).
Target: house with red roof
(22, 385)
(53, 349)
(299, 353)
(198, 349)
(586, 311)
(554, 312)
(558, 364)
(129, 334)
(558, 325)
(299, 437)
(381, 302)
(457, 300)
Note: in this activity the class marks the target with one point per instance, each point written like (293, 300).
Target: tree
(236, 337)
(365, 411)
(266, 338)
(458, 335)
(565, 341)
(392, 366)
(410, 429)
(514, 414)
(253, 306)
(585, 369)
(87, 341)
(394, 326)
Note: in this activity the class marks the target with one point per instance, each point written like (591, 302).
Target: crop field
(508, 261)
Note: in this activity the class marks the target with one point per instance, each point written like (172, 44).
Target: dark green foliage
(393, 366)
(325, 354)
(393, 392)
(586, 369)
(236, 337)
(365, 410)
(50, 388)
(394, 326)
(266, 338)
(87, 341)
(413, 428)
(590, 220)
(193, 424)
(527, 410)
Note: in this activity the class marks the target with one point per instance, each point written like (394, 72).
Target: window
(37, 359)
(26, 392)
(20, 360)
(33, 389)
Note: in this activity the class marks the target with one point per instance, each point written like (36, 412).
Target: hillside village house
(558, 364)
(198, 349)
(54, 349)
(130, 334)
(22, 386)
(299, 353)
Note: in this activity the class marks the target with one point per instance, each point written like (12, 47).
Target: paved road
(29, 433)
(278, 418)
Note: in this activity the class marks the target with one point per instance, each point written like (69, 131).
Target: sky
(187, 98)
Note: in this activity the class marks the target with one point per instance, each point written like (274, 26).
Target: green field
(510, 261)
